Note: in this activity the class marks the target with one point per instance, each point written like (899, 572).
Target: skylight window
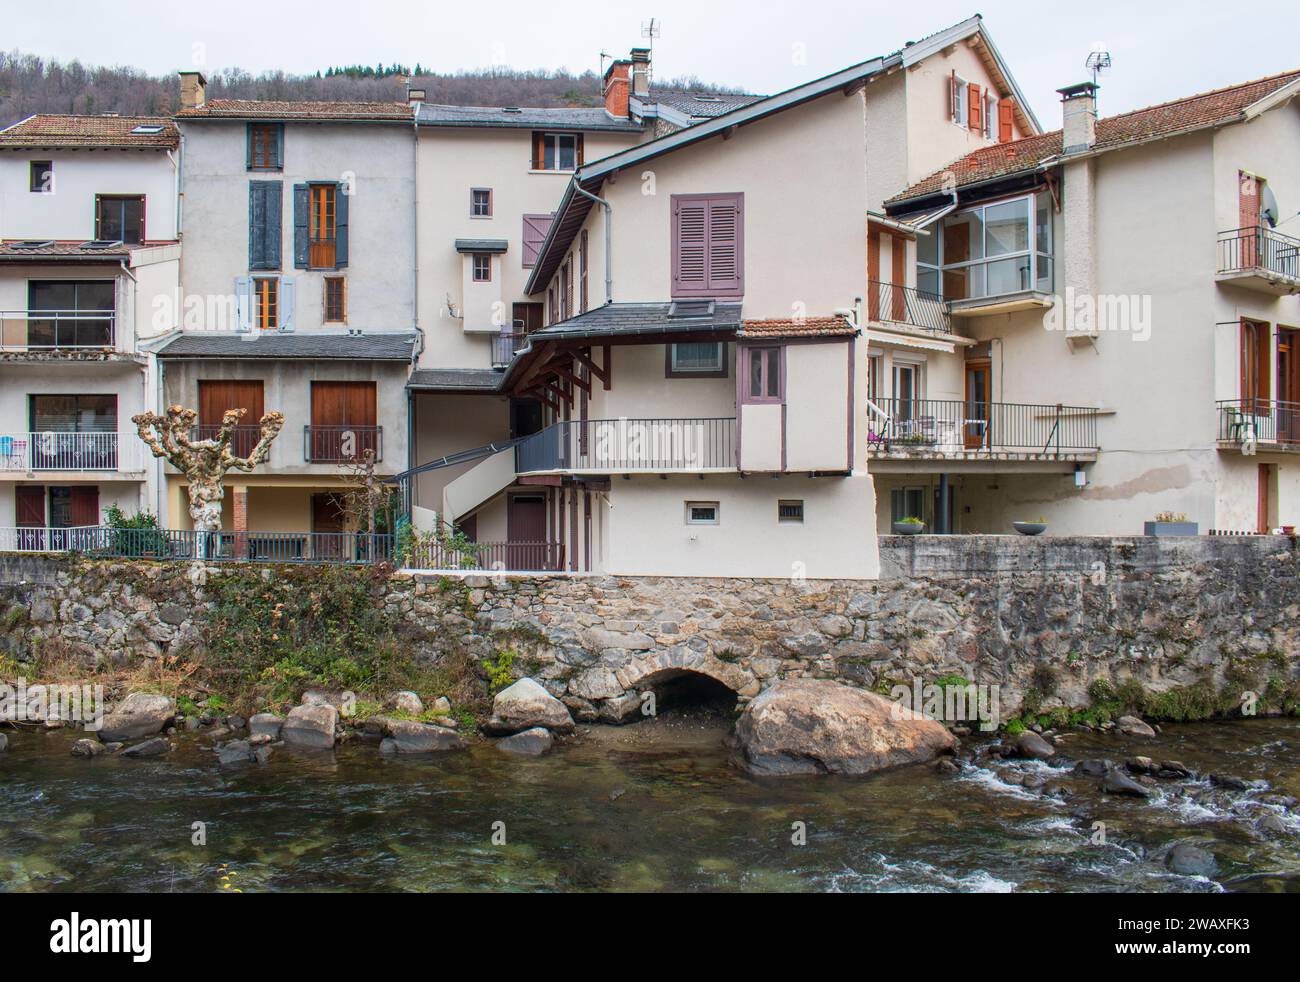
(147, 129)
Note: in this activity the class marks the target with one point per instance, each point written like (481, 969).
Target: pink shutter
(535, 229)
(726, 271)
(708, 245)
(690, 246)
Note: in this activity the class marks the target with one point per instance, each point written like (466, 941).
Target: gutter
(609, 240)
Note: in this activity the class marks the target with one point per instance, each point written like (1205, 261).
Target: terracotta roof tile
(1194, 112)
(50, 130)
(807, 327)
(269, 109)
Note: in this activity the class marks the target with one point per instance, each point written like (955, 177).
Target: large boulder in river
(1033, 747)
(525, 705)
(1186, 859)
(807, 726)
(265, 724)
(410, 737)
(310, 726)
(529, 743)
(140, 714)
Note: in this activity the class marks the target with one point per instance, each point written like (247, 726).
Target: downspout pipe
(609, 238)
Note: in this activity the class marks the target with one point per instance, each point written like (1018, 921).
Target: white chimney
(1078, 116)
(640, 72)
(414, 97)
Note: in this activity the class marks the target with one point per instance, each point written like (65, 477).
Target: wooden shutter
(244, 302)
(29, 506)
(539, 150)
(577, 149)
(535, 229)
(301, 225)
(582, 266)
(726, 242)
(264, 218)
(1256, 360)
(975, 108)
(873, 273)
(898, 296)
(343, 404)
(216, 396)
(84, 504)
(708, 245)
(287, 292)
(1006, 116)
(690, 246)
(953, 101)
(341, 201)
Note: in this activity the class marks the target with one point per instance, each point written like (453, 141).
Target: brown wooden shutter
(952, 96)
(873, 273)
(578, 149)
(535, 229)
(85, 505)
(726, 269)
(976, 108)
(29, 506)
(582, 267)
(898, 295)
(539, 150)
(1006, 117)
(216, 396)
(343, 404)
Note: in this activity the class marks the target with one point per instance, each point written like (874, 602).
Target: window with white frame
(906, 503)
(960, 101)
(990, 116)
(559, 151)
(706, 359)
(702, 513)
(989, 250)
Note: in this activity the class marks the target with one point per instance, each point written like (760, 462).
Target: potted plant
(1168, 523)
(909, 526)
(1031, 528)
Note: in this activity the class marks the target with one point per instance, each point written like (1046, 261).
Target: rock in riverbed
(87, 748)
(1117, 782)
(1032, 746)
(410, 737)
(140, 714)
(310, 726)
(807, 726)
(525, 705)
(150, 748)
(265, 724)
(1189, 860)
(4, 743)
(529, 743)
(407, 702)
(1132, 726)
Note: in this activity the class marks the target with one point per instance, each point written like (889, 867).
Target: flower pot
(909, 528)
(1162, 529)
(1030, 528)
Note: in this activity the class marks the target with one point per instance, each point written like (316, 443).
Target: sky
(1161, 50)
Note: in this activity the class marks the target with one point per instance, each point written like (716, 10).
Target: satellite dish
(1268, 209)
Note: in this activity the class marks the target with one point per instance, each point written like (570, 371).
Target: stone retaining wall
(1010, 611)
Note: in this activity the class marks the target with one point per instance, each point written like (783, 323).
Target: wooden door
(328, 516)
(527, 317)
(1288, 385)
(526, 532)
(219, 395)
(343, 418)
(85, 505)
(29, 515)
(978, 419)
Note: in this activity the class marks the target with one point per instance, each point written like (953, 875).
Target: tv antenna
(651, 29)
(1098, 62)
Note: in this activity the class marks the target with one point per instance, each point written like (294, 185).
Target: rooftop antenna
(1098, 62)
(651, 29)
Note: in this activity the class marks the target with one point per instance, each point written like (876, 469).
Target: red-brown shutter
(898, 296)
(582, 260)
(539, 151)
(1006, 116)
(85, 505)
(535, 229)
(952, 96)
(873, 273)
(976, 108)
(29, 506)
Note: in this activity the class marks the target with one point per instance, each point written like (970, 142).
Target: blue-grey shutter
(286, 304)
(248, 146)
(341, 198)
(279, 146)
(264, 219)
(244, 302)
(301, 228)
(274, 223)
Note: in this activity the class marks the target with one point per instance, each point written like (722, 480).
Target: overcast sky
(1161, 50)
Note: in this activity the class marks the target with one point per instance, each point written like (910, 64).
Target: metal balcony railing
(243, 438)
(938, 426)
(342, 444)
(55, 330)
(514, 557)
(891, 303)
(56, 451)
(504, 347)
(1259, 249)
(631, 445)
(349, 548)
(1243, 421)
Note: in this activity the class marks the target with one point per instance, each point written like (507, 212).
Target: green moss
(13, 618)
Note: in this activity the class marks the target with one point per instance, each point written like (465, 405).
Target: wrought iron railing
(348, 548)
(631, 445)
(53, 330)
(58, 451)
(1243, 421)
(955, 426)
(341, 444)
(891, 303)
(243, 438)
(1259, 249)
(504, 347)
(521, 557)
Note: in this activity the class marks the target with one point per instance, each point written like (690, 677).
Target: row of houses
(676, 334)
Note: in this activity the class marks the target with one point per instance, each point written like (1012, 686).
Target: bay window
(989, 250)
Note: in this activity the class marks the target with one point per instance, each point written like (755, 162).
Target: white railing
(54, 451)
(47, 539)
(56, 330)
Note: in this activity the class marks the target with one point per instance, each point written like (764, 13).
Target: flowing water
(656, 806)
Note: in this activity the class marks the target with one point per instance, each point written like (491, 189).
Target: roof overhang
(482, 245)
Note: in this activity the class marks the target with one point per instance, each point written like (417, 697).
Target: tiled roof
(330, 345)
(701, 105)
(270, 109)
(50, 130)
(455, 380)
(1208, 109)
(575, 118)
(17, 251)
(482, 245)
(807, 327)
(631, 319)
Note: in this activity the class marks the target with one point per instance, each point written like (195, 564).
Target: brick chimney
(193, 85)
(1079, 116)
(415, 96)
(641, 72)
(616, 89)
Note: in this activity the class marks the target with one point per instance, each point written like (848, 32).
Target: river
(657, 806)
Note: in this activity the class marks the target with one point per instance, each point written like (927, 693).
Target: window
(708, 245)
(49, 301)
(336, 292)
(701, 513)
(320, 225)
(557, 151)
(789, 512)
(989, 250)
(990, 115)
(482, 267)
(959, 100)
(907, 392)
(1256, 361)
(763, 381)
(566, 290)
(119, 218)
(535, 229)
(697, 359)
(265, 146)
(907, 503)
(480, 203)
(40, 176)
(266, 303)
(321, 230)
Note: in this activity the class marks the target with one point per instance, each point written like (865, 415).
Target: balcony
(504, 347)
(892, 304)
(57, 330)
(950, 429)
(1250, 422)
(342, 444)
(25, 453)
(242, 438)
(630, 446)
(1260, 259)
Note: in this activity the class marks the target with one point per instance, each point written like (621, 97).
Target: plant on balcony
(204, 462)
(1169, 523)
(909, 526)
(135, 536)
